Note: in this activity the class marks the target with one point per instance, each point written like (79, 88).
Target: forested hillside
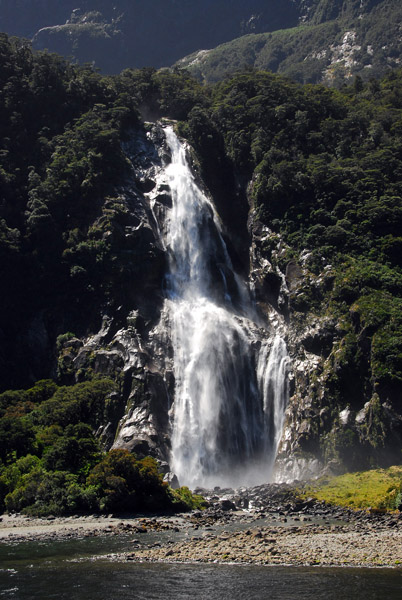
(308, 177)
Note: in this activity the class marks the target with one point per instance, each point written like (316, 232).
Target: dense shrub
(52, 463)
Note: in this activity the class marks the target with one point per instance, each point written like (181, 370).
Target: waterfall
(230, 380)
(272, 376)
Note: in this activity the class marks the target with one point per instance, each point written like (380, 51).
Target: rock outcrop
(133, 345)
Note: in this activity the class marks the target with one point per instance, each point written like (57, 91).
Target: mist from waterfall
(231, 385)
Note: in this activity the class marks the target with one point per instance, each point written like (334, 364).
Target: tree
(124, 483)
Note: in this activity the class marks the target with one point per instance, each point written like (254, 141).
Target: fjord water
(66, 571)
(230, 372)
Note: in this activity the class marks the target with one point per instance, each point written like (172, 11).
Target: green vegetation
(52, 463)
(63, 255)
(379, 489)
(184, 499)
(299, 53)
(63, 250)
(324, 172)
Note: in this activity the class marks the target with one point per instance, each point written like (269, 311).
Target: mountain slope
(335, 42)
(309, 40)
(135, 34)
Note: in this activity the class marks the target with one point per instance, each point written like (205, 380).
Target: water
(74, 571)
(272, 376)
(230, 372)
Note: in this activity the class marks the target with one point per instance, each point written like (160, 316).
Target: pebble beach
(274, 529)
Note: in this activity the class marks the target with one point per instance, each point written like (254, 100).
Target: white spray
(229, 402)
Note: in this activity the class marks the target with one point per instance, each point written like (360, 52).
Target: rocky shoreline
(310, 545)
(267, 525)
(17, 528)
(284, 530)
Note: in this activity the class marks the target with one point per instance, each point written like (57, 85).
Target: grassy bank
(379, 489)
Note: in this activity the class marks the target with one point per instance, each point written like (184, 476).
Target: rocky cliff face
(335, 420)
(132, 345)
(323, 429)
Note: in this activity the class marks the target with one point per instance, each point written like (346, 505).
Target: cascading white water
(272, 374)
(229, 403)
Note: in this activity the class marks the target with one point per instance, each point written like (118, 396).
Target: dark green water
(76, 570)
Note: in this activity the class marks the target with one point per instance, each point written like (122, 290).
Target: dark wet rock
(226, 505)
(171, 479)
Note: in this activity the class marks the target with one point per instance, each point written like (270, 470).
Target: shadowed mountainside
(308, 40)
